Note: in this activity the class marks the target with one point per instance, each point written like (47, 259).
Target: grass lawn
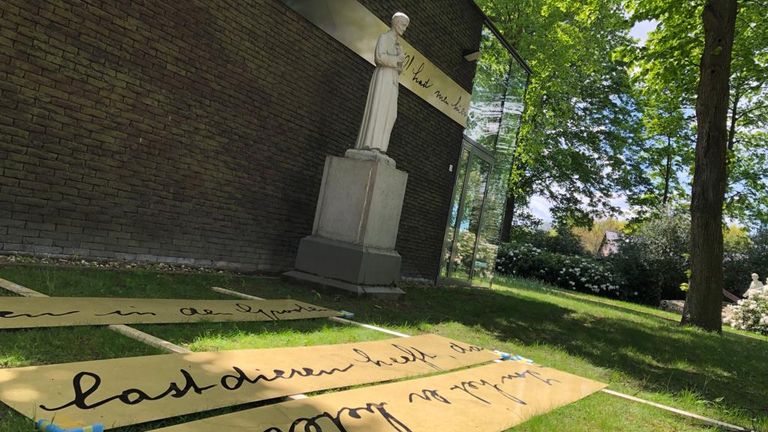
(637, 350)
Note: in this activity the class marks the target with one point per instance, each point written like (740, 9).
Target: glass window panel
(458, 192)
(478, 204)
(498, 102)
(463, 256)
(486, 106)
(504, 154)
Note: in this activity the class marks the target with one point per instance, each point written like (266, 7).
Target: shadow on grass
(650, 349)
(646, 347)
(540, 287)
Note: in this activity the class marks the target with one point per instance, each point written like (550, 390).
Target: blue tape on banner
(512, 357)
(48, 426)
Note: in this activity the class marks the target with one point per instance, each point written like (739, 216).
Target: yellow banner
(23, 312)
(357, 28)
(486, 399)
(128, 391)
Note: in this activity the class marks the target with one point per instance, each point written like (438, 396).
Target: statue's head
(754, 276)
(400, 22)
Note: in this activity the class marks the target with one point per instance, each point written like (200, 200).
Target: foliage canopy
(608, 116)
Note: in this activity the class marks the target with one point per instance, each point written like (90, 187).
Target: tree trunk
(509, 215)
(667, 173)
(704, 300)
(734, 119)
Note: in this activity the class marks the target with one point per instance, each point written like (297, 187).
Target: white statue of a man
(755, 287)
(381, 106)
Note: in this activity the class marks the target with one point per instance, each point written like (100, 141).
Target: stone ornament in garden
(749, 314)
(755, 287)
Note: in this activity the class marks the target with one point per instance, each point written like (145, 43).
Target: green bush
(560, 241)
(653, 261)
(742, 258)
(651, 264)
(634, 276)
(572, 272)
(621, 278)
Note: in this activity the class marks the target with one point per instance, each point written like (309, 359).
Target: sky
(539, 206)
(641, 29)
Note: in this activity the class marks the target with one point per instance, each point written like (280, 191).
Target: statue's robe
(754, 288)
(381, 106)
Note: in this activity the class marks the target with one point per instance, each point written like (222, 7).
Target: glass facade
(477, 208)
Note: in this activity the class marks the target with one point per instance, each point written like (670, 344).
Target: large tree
(664, 78)
(580, 119)
(703, 303)
(666, 75)
(748, 117)
(665, 155)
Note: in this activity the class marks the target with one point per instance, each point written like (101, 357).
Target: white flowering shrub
(587, 275)
(749, 314)
(572, 272)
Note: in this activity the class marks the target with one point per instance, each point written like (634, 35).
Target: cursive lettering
(274, 314)
(131, 396)
(409, 59)
(530, 373)
(458, 108)
(465, 349)
(236, 380)
(11, 314)
(441, 97)
(85, 384)
(190, 311)
(121, 313)
(412, 355)
(429, 396)
(327, 422)
(421, 82)
(469, 387)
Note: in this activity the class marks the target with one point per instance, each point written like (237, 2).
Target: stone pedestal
(352, 246)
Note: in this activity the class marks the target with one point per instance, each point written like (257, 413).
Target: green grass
(637, 350)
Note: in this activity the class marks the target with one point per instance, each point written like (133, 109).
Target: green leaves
(665, 76)
(579, 123)
(605, 116)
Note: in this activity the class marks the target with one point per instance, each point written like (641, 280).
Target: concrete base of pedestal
(348, 262)
(352, 246)
(385, 292)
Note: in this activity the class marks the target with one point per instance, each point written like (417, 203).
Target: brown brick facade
(195, 132)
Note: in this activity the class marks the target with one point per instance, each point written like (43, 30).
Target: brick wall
(196, 131)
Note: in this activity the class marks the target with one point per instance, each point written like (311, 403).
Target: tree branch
(750, 110)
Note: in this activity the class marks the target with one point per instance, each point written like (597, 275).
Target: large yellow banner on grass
(127, 391)
(485, 399)
(25, 312)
